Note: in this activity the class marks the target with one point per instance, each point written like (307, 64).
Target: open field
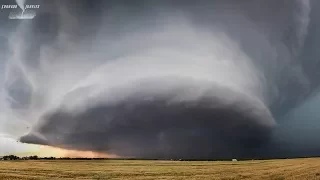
(300, 169)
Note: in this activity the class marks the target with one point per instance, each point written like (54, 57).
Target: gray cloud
(162, 125)
(205, 79)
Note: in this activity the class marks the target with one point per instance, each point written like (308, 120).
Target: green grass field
(300, 169)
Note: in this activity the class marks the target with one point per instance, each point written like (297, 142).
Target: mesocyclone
(161, 79)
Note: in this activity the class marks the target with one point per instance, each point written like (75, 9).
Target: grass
(299, 169)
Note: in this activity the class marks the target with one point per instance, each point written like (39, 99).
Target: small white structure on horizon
(234, 160)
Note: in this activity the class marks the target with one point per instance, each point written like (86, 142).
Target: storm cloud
(166, 79)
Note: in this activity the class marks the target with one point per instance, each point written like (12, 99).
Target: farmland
(300, 169)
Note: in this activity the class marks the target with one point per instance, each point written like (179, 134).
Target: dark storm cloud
(158, 91)
(152, 125)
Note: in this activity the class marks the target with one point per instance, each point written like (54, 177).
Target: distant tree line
(35, 157)
(14, 157)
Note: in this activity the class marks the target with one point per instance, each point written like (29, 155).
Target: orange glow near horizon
(47, 151)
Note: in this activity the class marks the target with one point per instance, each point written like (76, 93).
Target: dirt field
(300, 169)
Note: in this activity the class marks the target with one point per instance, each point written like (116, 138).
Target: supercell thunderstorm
(168, 79)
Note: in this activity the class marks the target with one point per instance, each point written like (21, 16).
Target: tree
(10, 157)
(35, 157)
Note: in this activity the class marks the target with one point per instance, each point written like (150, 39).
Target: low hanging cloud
(152, 123)
(160, 79)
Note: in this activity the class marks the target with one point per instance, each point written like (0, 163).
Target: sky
(146, 78)
(9, 129)
(12, 127)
